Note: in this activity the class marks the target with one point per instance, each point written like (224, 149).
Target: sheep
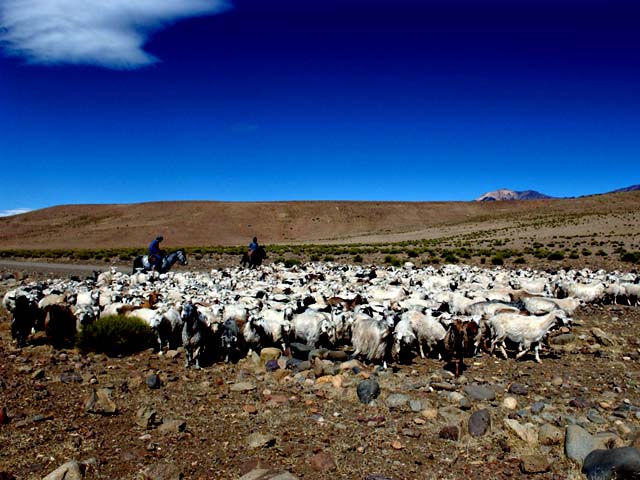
(195, 334)
(525, 330)
(168, 326)
(404, 340)
(488, 308)
(372, 338)
(269, 327)
(313, 327)
(427, 329)
(588, 293)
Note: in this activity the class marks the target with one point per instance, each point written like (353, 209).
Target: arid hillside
(220, 223)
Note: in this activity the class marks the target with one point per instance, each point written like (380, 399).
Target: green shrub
(450, 258)
(412, 253)
(314, 258)
(358, 258)
(585, 252)
(290, 262)
(601, 253)
(328, 258)
(520, 260)
(117, 335)
(555, 256)
(497, 260)
(391, 260)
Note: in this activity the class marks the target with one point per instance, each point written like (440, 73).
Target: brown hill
(221, 223)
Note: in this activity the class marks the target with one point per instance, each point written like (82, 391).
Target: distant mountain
(506, 194)
(632, 188)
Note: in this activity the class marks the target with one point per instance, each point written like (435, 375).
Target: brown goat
(459, 342)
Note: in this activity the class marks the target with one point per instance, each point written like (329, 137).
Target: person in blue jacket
(253, 246)
(155, 254)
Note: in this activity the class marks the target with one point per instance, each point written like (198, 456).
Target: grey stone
(146, 417)
(173, 426)
(242, 387)
(449, 387)
(620, 463)
(260, 440)
(100, 402)
(549, 435)
(415, 405)
(368, 390)
(396, 400)
(479, 423)
(518, 389)
(337, 356)
(527, 432)
(70, 377)
(595, 417)
(68, 471)
(578, 443)
(603, 338)
(562, 339)
(153, 381)
(537, 407)
(300, 351)
(480, 392)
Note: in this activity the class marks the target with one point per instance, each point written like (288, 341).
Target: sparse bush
(555, 256)
(314, 258)
(450, 258)
(497, 260)
(393, 261)
(631, 257)
(519, 260)
(358, 258)
(601, 253)
(290, 262)
(328, 258)
(116, 335)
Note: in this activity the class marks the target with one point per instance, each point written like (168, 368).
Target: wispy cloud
(14, 211)
(108, 33)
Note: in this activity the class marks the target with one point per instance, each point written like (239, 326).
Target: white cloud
(15, 211)
(108, 33)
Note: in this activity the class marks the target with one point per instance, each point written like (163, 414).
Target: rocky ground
(145, 416)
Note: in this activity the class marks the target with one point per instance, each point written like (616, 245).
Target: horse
(255, 259)
(141, 262)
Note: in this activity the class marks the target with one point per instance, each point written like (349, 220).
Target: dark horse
(255, 259)
(141, 262)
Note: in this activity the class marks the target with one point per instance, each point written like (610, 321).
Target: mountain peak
(507, 194)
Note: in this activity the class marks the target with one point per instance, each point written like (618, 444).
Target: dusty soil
(44, 392)
(610, 216)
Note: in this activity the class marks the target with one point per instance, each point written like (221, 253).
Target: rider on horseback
(253, 246)
(155, 254)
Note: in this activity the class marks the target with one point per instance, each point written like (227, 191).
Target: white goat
(524, 330)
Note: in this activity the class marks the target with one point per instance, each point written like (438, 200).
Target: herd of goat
(376, 314)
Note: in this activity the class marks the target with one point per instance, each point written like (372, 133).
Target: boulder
(620, 463)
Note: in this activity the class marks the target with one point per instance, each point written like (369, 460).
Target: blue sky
(261, 100)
